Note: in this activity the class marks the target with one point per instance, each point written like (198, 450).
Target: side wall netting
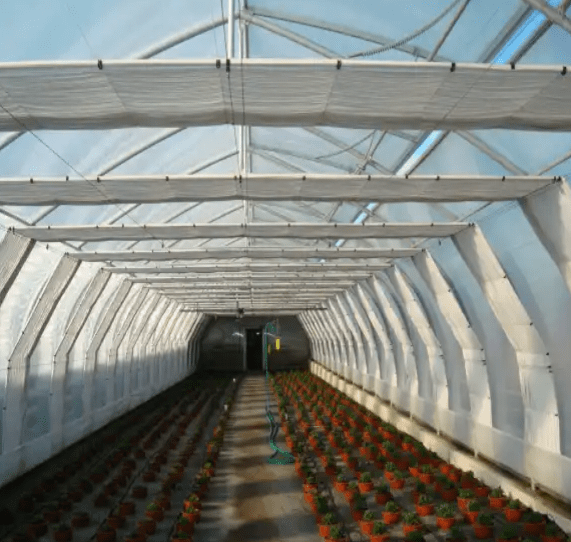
(469, 337)
(79, 347)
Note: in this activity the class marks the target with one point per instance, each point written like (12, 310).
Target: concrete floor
(251, 500)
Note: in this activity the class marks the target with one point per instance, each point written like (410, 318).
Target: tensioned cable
(406, 39)
(345, 149)
(76, 171)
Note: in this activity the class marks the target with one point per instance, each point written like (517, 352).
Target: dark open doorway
(254, 347)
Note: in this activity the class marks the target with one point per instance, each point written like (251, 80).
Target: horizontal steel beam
(294, 230)
(130, 189)
(258, 253)
(289, 278)
(254, 268)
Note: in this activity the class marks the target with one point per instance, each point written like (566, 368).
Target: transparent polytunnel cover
(360, 36)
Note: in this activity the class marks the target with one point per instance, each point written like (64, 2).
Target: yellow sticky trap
(277, 343)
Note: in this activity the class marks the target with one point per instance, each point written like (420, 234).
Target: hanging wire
(406, 39)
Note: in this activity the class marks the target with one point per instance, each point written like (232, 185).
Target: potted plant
(514, 510)
(51, 512)
(37, 527)
(414, 536)
(365, 482)
(327, 521)
(411, 522)
(426, 475)
(379, 532)
(473, 511)
(184, 524)
(497, 498)
(106, 533)
(146, 526)
(464, 497)
(80, 519)
(139, 492)
(484, 526)
(127, 508)
(180, 536)
(398, 480)
(390, 468)
(407, 443)
(481, 489)
(455, 534)
(419, 489)
(337, 534)
(425, 506)
(154, 511)
(391, 513)
(341, 482)
(358, 507)
(63, 533)
(366, 523)
(533, 523)
(115, 519)
(445, 516)
(508, 533)
(552, 533)
(467, 480)
(413, 467)
(448, 491)
(383, 494)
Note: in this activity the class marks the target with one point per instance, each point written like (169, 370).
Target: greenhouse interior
(285, 271)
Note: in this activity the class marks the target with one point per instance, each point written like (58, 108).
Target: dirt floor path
(251, 500)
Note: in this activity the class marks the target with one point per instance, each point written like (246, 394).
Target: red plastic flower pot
(344, 539)
(471, 516)
(149, 476)
(483, 531)
(391, 517)
(147, 527)
(558, 538)
(454, 476)
(425, 509)
(26, 504)
(192, 517)
(449, 495)
(481, 491)
(411, 528)
(414, 471)
(497, 502)
(513, 515)
(402, 464)
(366, 526)
(116, 521)
(357, 514)
(52, 516)
(379, 537)
(324, 530)
(445, 523)
(63, 536)
(139, 492)
(157, 515)
(407, 446)
(463, 503)
(185, 528)
(106, 536)
(515, 539)
(330, 470)
(35, 530)
(383, 498)
(80, 521)
(365, 487)
(467, 483)
(426, 478)
(127, 508)
(397, 484)
(340, 486)
(535, 529)
(389, 475)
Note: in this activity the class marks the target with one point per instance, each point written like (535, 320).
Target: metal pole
(230, 52)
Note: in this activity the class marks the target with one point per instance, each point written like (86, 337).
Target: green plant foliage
(365, 477)
(425, 499)
(485, 518)
(383, 487)
(369, 515)
(411, 518)
(426, 469)
(497, 492)
(532, 517)
(514, 504)
(455, 533)
(392, 506)
(414, 536)
(329, 519)
(446, 510)
(420, 487)
(465, 493)
(379, 527)
(508, 531)
(474, 506)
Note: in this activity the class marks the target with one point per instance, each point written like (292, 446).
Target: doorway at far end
(254, 349)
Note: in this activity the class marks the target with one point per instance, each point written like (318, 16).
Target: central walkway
(251, 500)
